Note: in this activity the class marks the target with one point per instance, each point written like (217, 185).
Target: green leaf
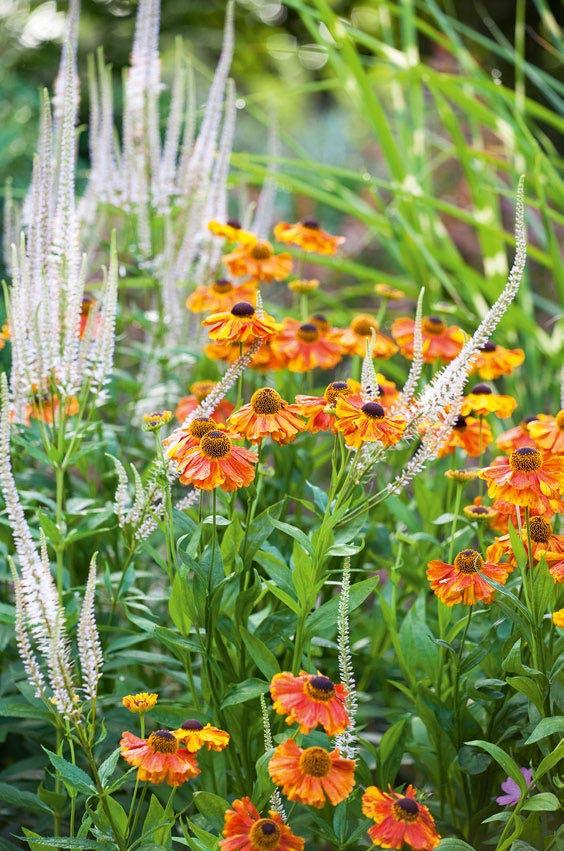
(73, 776)
(549, 761)
(416, 640)
(453, 844)
(543, 802)
(23, 800)
(326, 615)
(59, 841)
(294, 533)
(241, 692)
(546, 727)
(284, 597)
(50, 528)
(504, 760)
(158, 824)
(530, 688)
(180, 603)
(213, 807)
(390, 752)
(263, 658)
(108, 766)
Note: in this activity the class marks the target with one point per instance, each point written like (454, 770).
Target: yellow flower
(386, 291)
(462, 475)
(558, 618)
(303, 285)
(156, 420)
(142, 702)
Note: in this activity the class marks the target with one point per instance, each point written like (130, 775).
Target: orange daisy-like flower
(198, 392)
(516, 437)
(319, 411)
(310, 700)
(267, 415)
(548, 432)
(242, 324)
(461, 583)
(544, 544)
(45, 406)
(527, 478)
(159, 758)
(308, 235)
(194, 735)
(244, 829)
(303, 285)
(470, 434)
(483, 401)
(388, 292)
(399, 820)
(142, 702)
(181, 440)
(493, 361)
(258, 262)
(220, 296)
(367, 422)
(440, 342)
(214, 462)
(558, 618)
(354, 338)
(312, 775)
(232, 231)
(305, 346)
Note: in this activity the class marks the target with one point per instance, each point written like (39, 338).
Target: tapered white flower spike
(276, 798)
(88, 639)
(346, 741)
(369, 389)
(401, 405)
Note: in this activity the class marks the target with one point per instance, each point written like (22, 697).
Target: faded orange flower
(440, 342)
(242, 324)
(470, 434)
(267, 415)
(303, 346)
(367, 422)
(245, 830)
(308, 235)
(493, 361)
(159, 759)
(313, 775)
(399, 820)
(310, 700)
(258, 263)
(354, 338)
(220, 296)
(483, 401)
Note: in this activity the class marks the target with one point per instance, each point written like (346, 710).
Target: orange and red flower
(242, 324)
(308, 235)
(527, 478)
(493, 361)
(159, 758)
(470, 434)
(399, 820)
(483, 401)
(440, 342)
(220, 296)
(367, 422)
(193, 735)
(198, 392)
(213, 461)
(548, 432)
(516, 437)
(545, 544)
(258, 263)
(310, 700)
(319, 411)
(267, 415)
(461, 582)
(311, 775)
(232, 231)
(354, 338)
(45, 407)
(305, 346)
(245, 830)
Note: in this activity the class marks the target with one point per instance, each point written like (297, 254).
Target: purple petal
(528, 775)
(511, 787)
(506, 800)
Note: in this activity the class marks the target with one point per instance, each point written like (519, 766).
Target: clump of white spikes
(346, 741)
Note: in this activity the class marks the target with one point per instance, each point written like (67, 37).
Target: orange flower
(483, 401)
(354, 338)
(142, 702)
(310, 700)
(544, 544)
(245, 829)
(258, 262)
(267, 415)
(5, 335)
(516, 437)
(440, 342)
(481, 513)
(399, 820)
(220, 296)
(548, 432)
(320, 410)
(504, 512)
(304, 346)
(558, 618)
(183, 439)
(88, 303)
(159, 758)
(461, 583)
(199, 391)
(469, 434)
(214, 462)
(242, 324)
(527, 478)
(263, 360)
(308, 235)
(193, 735)
(493, 361)
(309, 776)
(303, 285)
(232, 231)
(44, 407)
(367, 423)
(386, 291)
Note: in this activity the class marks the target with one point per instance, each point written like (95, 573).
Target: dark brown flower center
(540, 530)
(264, 833)
(560, 420)
(315, 762)
(308, 332)
(529, 420)
(373, 410)
(525, 460)
(242, 308)
(193, 724)
(334, 390)
(481, 390)
(460, 422)
(363, 325)
(201, 426)
(266, 401)
(433, 325)
(222, 286)
(468, 561)
(320, 321)
(162, 741)
(215, 445)
(406, 809)
(488, 347)
(320, 688)
(261, 250)
(312, 224)
(234, 223)
(478, 509)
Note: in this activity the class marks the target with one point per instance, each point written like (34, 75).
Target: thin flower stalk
(346, 742)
